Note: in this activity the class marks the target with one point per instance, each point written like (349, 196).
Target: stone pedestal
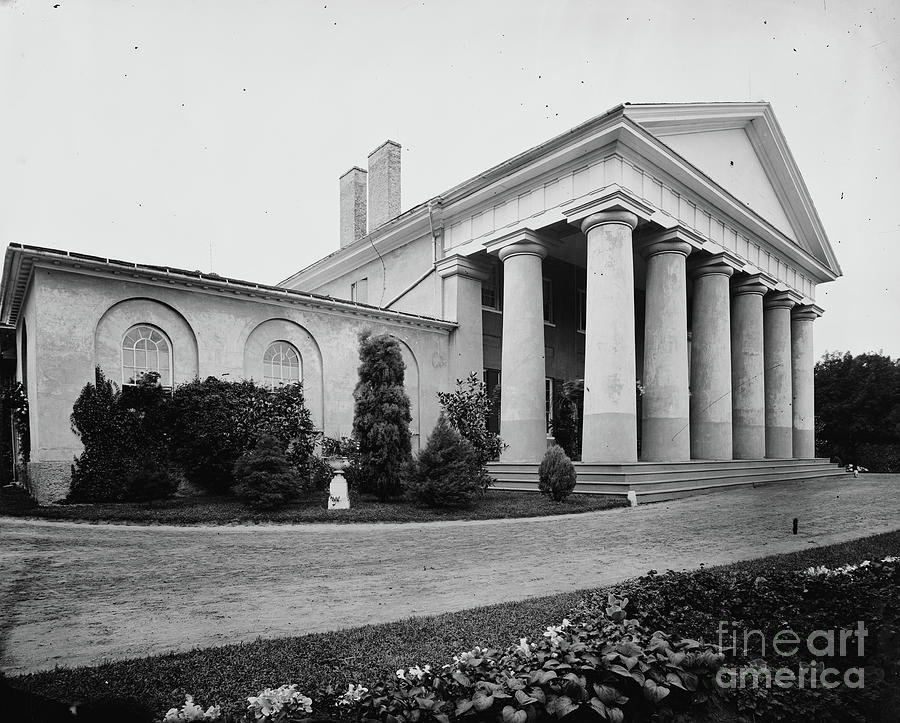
(610, 416)
(711, 433)
(747, 370)
(523, 420)
(338, 494)
(777, 347)
(666, 403)
(802, 382)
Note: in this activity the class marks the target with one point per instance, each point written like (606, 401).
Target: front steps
(658, 481)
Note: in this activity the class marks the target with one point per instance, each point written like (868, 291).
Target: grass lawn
(228, 510)
(226, 675)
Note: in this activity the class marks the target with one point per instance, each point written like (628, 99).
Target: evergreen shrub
(265, 477)
(447, 472)
(124, 433)
(556, 474)
(214, 422)
(381, 418)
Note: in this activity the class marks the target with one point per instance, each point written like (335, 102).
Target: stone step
(657, 482)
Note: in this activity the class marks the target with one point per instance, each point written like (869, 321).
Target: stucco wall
(402, 267)
(79, 320)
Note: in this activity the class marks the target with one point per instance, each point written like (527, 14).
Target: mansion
(668, 247)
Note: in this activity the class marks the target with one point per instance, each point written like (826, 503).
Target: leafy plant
(447, 472)
(213, 422)
(556, 474)
(123, 433)
(381, 418)
(467, 409)
(265, 477)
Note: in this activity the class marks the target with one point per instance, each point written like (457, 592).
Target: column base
(526, 440)
(711, 440)
(609, 437)
(49, 481)
(749, 441)
(804, 443)
(779, 442)
(665, 440)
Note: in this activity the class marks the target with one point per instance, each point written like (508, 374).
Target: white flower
(353, 695)
(270, 702)
(190, 711)
(523, 648)
(401, 674)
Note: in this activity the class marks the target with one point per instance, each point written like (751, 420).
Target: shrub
(447, 472)
(556, 474)
(466, 410)
(381, 417)
(123, 431)
(151, 481)
(213, 422)
(566, 424)
(265, 477)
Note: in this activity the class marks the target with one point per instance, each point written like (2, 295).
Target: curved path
(77, 594)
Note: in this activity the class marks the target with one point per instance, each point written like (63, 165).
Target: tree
(466, 410)
(858, 410)
(265, 477)
(381, 417)
(447, 472)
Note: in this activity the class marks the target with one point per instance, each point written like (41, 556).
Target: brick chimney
(384, 184)
(353, 205)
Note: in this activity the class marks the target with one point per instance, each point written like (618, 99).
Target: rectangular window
(490, 289)
(492, 384)
(582, 309)
(359, 291)
(548, 401)
(548, 301)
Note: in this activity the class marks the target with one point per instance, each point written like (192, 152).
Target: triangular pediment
(741, 148)
(728, 158)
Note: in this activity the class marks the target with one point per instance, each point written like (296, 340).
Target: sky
(211, 135)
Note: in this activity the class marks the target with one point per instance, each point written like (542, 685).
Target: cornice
(20, 259)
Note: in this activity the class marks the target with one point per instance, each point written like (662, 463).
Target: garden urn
(338, 495)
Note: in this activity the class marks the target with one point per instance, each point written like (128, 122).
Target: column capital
(653, 246)
(522, 241)
(711, 264)
(779, 300)
(748, 285)
(457, 265)
(607, 206)
(806, 312)
(601, 218)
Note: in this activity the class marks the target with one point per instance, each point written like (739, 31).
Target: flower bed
(826, 588)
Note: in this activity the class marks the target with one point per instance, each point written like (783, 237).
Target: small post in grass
(338, 495)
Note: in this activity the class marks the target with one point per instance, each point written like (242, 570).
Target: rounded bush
(447, 472)
(556, 474)
(265, 477)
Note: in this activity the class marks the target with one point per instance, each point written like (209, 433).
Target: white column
(747, 370)
(711, 433)
(610, 410)
(666, 404)
(777, 346)
(461, 291)
(523, 419)
(803, 381)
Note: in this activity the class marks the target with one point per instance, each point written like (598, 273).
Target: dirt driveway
(77, 594)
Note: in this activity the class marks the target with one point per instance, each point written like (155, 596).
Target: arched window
(145, 349)
(281, 365)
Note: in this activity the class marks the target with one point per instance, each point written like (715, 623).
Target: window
(582, 309)
(359, 291)
(548, 301)
(548, 401)
(490, 289)
(492, 387)
(281, 365)
(145, 349)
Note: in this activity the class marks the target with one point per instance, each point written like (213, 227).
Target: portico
(727, 394)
